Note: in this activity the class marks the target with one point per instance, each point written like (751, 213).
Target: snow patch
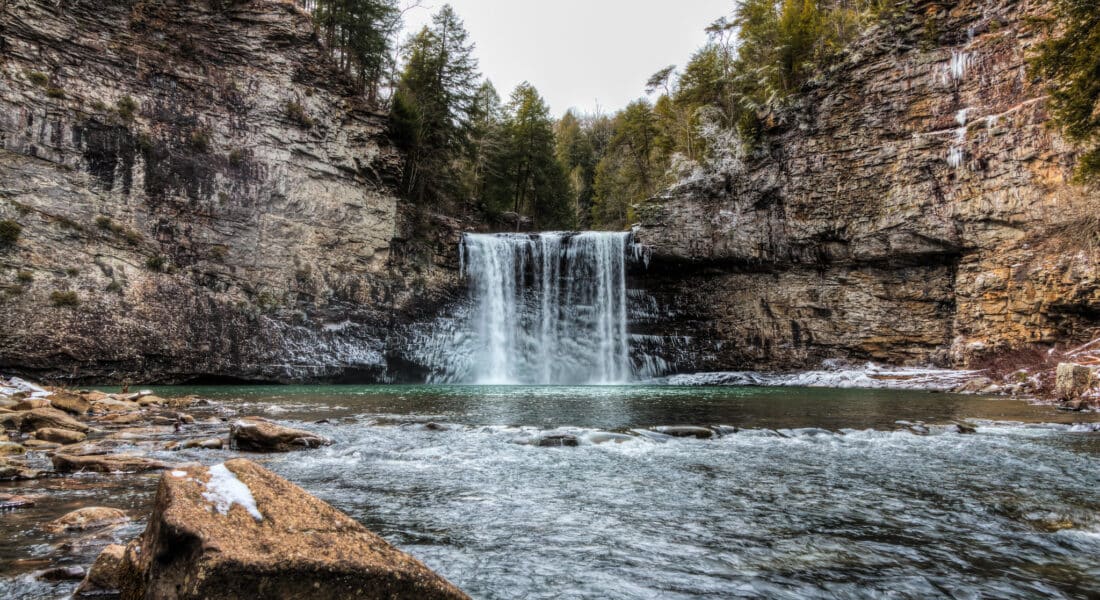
(224, 490)
(870, 376)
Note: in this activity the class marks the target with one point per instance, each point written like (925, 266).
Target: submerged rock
(105, 463)
(92, 517)
(557, 441)
(204, 540)
(260, 435)
(685, 431)
(102, 578)
(62, 574)
(12, 502)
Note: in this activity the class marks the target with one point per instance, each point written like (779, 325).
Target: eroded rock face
(196, 546)
(178, 220)
(916, 209)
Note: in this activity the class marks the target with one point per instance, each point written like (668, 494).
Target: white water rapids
(547, 308)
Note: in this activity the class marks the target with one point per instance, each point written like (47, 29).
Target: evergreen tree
(1071, 60)
(433, 106)
(632, 168)
(527, 177)
(358, 34)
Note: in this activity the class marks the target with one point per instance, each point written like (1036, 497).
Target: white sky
(579, 53)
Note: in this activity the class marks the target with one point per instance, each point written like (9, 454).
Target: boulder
(9, 448)
(50, 417)
(11, 420)
(70, 403)
(151, 400)
(207, 444)
(238, 530)
(1072, 381)
(260, 435)
(91, 517)
(102, 578)
(12, 502)
(32, 403)
(105, 463)
(41, 444)
(59, 436)
(112, 405)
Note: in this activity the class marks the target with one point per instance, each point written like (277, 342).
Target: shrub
(236, 157)
(64, 299)
(103, 222)
(155, 263)
(39, 79)
(200, 140)
(24, 276)
(127, 106)
(72, 271)
(114, 286)
(55, 92)
(9, 232)
(296, 113)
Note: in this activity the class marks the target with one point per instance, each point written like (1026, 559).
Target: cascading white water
(546, 308)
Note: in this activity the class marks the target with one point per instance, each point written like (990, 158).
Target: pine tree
(433, 106)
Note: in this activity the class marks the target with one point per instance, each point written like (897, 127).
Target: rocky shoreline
(215, 531)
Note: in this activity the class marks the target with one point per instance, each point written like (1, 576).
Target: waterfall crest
(546, 308)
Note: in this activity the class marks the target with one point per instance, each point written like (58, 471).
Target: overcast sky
(579, 53)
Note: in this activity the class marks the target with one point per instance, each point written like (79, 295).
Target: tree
(486, 139)
(632, 168)
(433, 106)
(527, 177)
(358, 34)
(1071, 62)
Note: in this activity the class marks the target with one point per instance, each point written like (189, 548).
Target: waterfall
(548, 308)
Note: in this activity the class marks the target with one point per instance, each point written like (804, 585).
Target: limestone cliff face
(914, 209)
(200, 194)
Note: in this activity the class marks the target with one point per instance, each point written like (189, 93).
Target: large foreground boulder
(259, 435)
(102, 579)
(238, 530)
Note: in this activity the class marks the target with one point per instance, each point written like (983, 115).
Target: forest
(472, 150)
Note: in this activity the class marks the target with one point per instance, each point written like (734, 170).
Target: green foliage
(39, 79)
(357, 34)
(433, 107)
(9, 232)
(115, 286)
(199, 140)
(55, 92)
(236, 157)
(297, 113)
(156, 263)
(1070, 60)
(64, 299)
(72, 271)
(132, 237)
(630, 170)
(24, 277)
(525, 175)
(127, 107)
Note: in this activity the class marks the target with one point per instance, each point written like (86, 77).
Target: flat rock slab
(240, 531)
(105, 463)
(259, 435)
(40, 418)
(59, 436)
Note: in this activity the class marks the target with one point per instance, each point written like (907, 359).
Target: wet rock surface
(254, 434)
(300, 546)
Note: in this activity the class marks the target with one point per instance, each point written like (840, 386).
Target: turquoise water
(808, 493)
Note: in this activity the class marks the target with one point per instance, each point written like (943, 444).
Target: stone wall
(916, 208)
(201, 194)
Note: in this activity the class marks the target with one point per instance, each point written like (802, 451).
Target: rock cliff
(198, 193)
(915, 208)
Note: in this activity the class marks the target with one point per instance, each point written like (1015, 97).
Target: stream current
(819, 493)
